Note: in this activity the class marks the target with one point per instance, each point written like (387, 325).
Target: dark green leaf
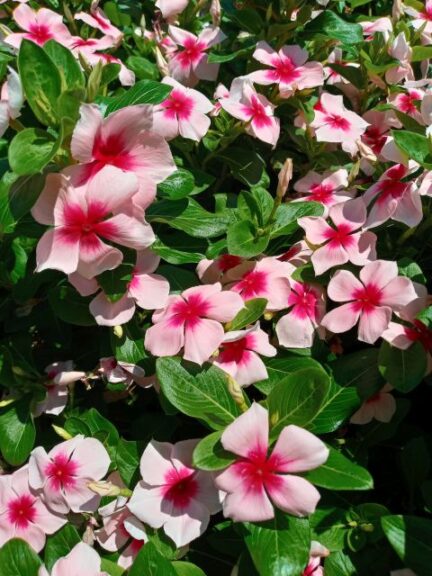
(70, 71)
(411, 538)
(60, 544)
(245, 164)
(127, 459)
(339, 404)
(331, 25)
(143, 92)
(178, 185)
(31, 150)
(18, 559)
(209, 453)
(414, 146)
(69, 306)
(150, 562)
(17, 431)
(244, 240)
(403, 369)
(252, 311)
(339, 473)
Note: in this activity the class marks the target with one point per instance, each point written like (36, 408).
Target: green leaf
(352, 74)
(247, 19)
(403, 369)
(209, 454)
(17, 431)
(60, 544)
(70, 71)
(143, 68)
(287, 216)
(339, 404)
(411, 538)
(407, 267)
(297, 399)
(174, 255)
(331, 25)
(114, 283)
(339, 473)
(245, 164)
(204, 396)
(127, 459)
(31, 150)
(143, 92)
(187, 569)
(41, 81)
(421, 53)
(18, 559)
(150, 563)
(339, 564)
(178, 185)
(279, 547)
(179, 278)
(415, 146)
(243, 240)
(69, 306)
(425, 317)
(111, 568)
(129, 346)
(415, 462)
(359, 369)
(252, 311)
(279, 369)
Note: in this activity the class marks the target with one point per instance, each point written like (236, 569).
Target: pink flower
(81, 558)
(116, 371)
(336, 57)
(423, 18)
(289, 69)
(407, 102)
(171, 8)
(394, 199)
(182, 113)
(402, 51)
(81, 216)
(192, 321)
(40, 26)
(126, 76)
(317, 552)
(346, 242)
(172, 494)
(239, 355)
(334, 123)
(266, 278)
(23, 514)
(381, 406)
(12, 100)
(87, 46)
(98, 20)
(257, 479)
(298, 255)
(211, 271)
(62, 476)
(328, 189)
(60, 375)
(123, 140)
(296, 329)
(383, 25)
(379, 127)
(190, 65)
(145, 289)
(254, 109)
(371, 299)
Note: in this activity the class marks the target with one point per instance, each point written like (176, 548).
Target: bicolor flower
(408, 102)
(260, 478)
(124, 140)
(239, 355)
(39, 27)
(335, 123)
(172, 494)
(211, 271)
(345, 242)
(381, 407)
(171, 8)
(380, 124)
(369, 301)
(307, 308)
(327, 189)
(190, 63)
(421, 18)
(394, 199)
(62, 476)
(12, 100)
(317, 553)
(126, 76)
(182, 113)
(254, 109)
(288, 68)
(97, 19)
(336, 57)
(192, 321)
(81, 557)
(60, 375)
(370, 28)
(400, 50)
(81, 215)
(23, 514)
(266, 278)
(116, 371)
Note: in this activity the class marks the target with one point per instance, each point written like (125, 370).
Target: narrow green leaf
(252, 311)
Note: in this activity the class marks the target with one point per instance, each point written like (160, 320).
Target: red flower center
(367, 298)
(113, 151)
(341, 236)
(226, 262)
(236, 351)
(420, 333)
(192, 52)
(40, 33)
(286, 69)
(61, 472)
(181, 487)
(257, 112)
(258, 471)
(178, 105)
(190, 311)
(337, 122)
(321, 193)
(86, 226)
(21, 511)
(253, 284)
(303, 298)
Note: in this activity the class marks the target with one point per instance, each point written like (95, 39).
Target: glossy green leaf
(209, 454)
(149, 562)
(69, 306)
(17, 431)
(333, 26)
(178, 185)
(17, 558)
(403, 369)
(415, 146)
(339, 473)
(31, 150)
(252, 311)
(411, 538)
(245, 240)
(60, 544)
(143, 92)
(70, 71)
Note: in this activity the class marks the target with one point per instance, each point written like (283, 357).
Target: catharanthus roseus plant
(215, 275)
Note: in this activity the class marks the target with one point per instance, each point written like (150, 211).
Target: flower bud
(106, 488)
(285, 176)
(215, 11)
(62, 432)
(161, 63)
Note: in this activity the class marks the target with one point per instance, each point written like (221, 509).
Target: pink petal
(249, 432)
(81, 555)
(149, 290)
(373, 323)
(85, 132)
(399, 292)
(341, 319)
(183, 526)
(316, 228)
(294, 495)
(264, 53)
(80, 498)
(156, 463)
(111, 188)
(312, 75)
(343, 286)
(261, 343)
(96, 258)
(379, 273)
(396, 335)
(295, 332)
(107, 313)
(146, 504)
(385, 408)
(55, 250)
(171, 8)
(181, 36)
(84, 286)
(250, 371)
(298, 450)
(164, 339)
(43, 209)
(195, 127)
(235, 109)
(202, 340)
(93, 458)
(409, 210)
(25, 17)
(206, 70)
(129, 232)
(33, 535)
(267, 131)
(248, 505)
(364, 414)
(352, 213)
(328, 256)
(211, 35)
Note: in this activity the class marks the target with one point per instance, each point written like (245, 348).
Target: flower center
(303, 299)
(337, 122)
(61, 472)
(181, 487)
(226, 262)
(40, 33)
(21, 511)
(253, 284)
(113, 151)
(287, 70)
(341, 236)
(190, 311)
(321, 193)
(367, 298)
(178, 105)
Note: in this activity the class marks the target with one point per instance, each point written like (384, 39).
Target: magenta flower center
(303, 298)
(374, 138)
(86, 226)
(418, 332)
(407, 102)
(192, 52)
(258, 471)
(178, 105)
(237, 350)
(61, 472)
(337, 122)
(257, 112)
(252, 284)
(286, 70)
(321, 193)
(114, 151)
(367, 298)
(181, 487)
(190, 311)
(341, 236)
(21, 511)
(226, 262)
(40, 33)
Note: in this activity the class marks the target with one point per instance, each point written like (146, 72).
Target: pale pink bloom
(21, 1)
(328, 189)
(381, 407)
(426, 112)
(86, 46)
(172, 494)
(39, 27)
(190, 64)
(121, 531)
(82, 559)
(298, 255)
(336, 57)
(394, 199)
(192, 321)
(123, 140)
(258, 479)
(220, 92)
(307, 308)
(211, 271)
(116, 371)
(383, 25)
(370, 300)
(145, 289)
(345, 242)
(12, 100)
(126, 76)
(182, 113)
(62, 476)
(409, 103)
(317, 552)
(266, 278)
(380, 124)
(171, 8)
(421, 18)
(334, 123)
(402, 51)
(254, 109)
(239, 355)
(81, 216)
(97, 19)
(23, 514)
(60, 375)
(425, 188)
(288, 68)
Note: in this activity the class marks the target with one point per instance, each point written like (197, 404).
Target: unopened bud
(216, 13)
(368, 527)
(106, 488)
(7, 402)
(118, 331)
(268, 316)
(161, 63)
(285, 177)
(397, 10)
(62, 432)
(237, 394)
(366, 151)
